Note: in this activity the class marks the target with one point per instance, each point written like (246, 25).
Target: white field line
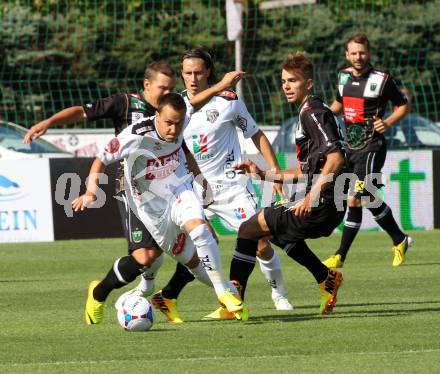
(190, 359)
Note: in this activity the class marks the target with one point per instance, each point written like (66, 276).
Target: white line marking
(95, 362)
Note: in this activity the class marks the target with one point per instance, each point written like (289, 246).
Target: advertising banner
(408, 179)
(25, 201)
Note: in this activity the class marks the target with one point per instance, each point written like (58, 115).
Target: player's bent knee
(264, 251)
(201, 236)
(243, 230)
(192, 224)
(146, 256)
(254, 228)
(194, 262)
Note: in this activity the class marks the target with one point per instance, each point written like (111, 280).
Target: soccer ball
(136, 314)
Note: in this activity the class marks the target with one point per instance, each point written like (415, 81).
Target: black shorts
(287, 228)
(366, 163)
(134, 230)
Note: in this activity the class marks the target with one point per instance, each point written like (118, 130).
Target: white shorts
(168, 230)
(234, 204)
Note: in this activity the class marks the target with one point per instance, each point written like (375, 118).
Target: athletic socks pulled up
(181, 277)
(351, 227)
(384, 218)
(243, 262)
(124, 270)
(271, 270)
(301, 253)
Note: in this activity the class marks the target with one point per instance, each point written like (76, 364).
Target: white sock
(200, 273)
(147, 283)
(271, 270)
(209, 254)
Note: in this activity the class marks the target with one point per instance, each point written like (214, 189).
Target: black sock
(384, 218)
(128, 269)
(351, 227)
(243, 262)
(181, 277)
(302, 254)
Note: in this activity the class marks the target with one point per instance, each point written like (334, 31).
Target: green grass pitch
(387, 319)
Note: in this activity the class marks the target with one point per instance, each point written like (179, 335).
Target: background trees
(59, 53)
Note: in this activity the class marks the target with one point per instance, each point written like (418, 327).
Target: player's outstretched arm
(65, 117)
(229, 80)
(89, 197)
(250, 168)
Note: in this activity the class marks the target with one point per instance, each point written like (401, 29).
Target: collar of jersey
(141, 94)
(365, 74)
(304, 102)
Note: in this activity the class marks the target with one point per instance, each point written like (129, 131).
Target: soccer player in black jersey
(363, 93)
(319, 147)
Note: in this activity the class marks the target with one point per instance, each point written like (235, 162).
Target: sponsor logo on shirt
(242, 122)
(163, 166)
(200, 147)
(359, 186)
(240, 213)
(141, 130)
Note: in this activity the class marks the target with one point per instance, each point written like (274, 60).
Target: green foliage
(60, 53)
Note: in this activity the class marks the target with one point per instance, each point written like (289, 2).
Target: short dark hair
(159, 67)
(174, 100)
(298, 63)
(202, 53)
(360, 38)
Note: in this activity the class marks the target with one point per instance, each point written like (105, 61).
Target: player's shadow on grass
(347, 305)
(423, 264)
(341, 311)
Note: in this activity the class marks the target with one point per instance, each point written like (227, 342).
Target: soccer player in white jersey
(159, 191)
(211, 136)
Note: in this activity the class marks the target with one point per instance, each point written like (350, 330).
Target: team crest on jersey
(137, 236)
(112, 146)
(373, 86)
(242, 123)
(212, 115)
(137, 104)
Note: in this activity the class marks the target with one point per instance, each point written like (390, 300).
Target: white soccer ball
(136, 314)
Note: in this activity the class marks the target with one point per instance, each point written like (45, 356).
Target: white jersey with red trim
(211, 136)
(156, 175)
